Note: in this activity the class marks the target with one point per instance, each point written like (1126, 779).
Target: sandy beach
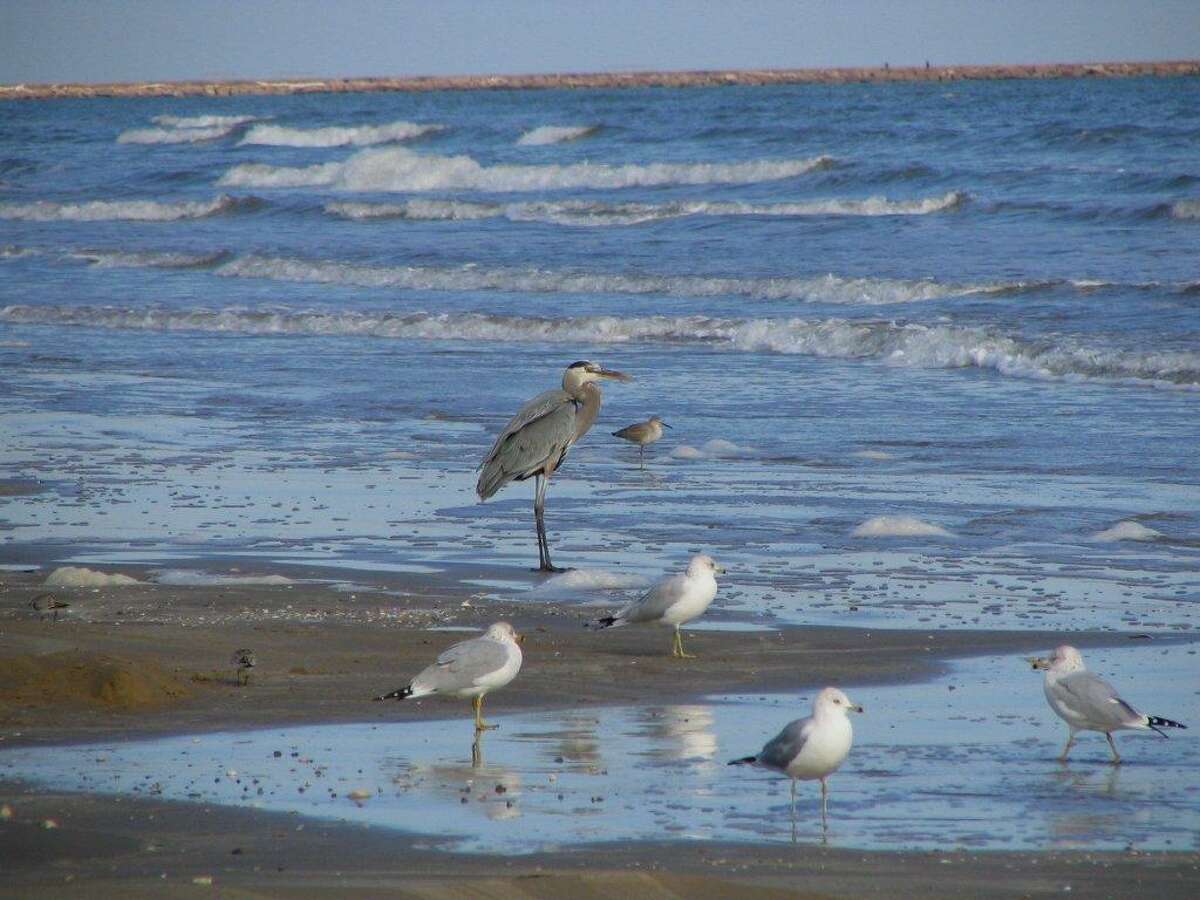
(148, 660)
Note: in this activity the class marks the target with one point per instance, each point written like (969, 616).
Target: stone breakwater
(599, 80)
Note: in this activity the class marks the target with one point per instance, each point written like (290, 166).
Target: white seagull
(470, 669)
(674, 600)
(810, 748)
(1087, 702)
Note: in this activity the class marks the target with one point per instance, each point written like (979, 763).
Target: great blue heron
(536, 441)
(1087, 702)
(643, 433)
(470, 668)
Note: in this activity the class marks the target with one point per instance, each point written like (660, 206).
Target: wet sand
(607, 80)
(323, 656)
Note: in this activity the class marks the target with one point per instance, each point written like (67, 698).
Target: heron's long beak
(614, 375)
(1038, 662)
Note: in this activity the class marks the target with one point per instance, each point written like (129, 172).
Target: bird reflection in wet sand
(685, 732)
(469, 669)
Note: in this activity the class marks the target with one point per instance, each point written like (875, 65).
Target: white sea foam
(209, 121)
(899, 526)
(400, 169)
(115, 259)
(874, 455)
(587, 214)
(1185, 209)
(117, 210)
(584, 580)
(77, 576)
(717, 448)
(555, 134)
(192, 578)
(174, 135)
(904, 345)
(1126, 531)
(336, 136)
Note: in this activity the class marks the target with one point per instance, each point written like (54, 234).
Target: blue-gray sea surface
(931, 351)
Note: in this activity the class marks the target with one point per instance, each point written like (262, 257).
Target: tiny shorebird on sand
(813, 747)
(47, 605)
(469, 669)
(243, 661)
(674, 601)
(1087, 702)
(643, 433)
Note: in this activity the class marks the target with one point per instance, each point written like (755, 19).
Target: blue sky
(139, 40)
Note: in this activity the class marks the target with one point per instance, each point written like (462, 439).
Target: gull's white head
(703, 564)
(833, 699)
(504, 633)
(584, 372)
(1064, 659)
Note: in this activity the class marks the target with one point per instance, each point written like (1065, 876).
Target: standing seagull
(810, 748)
(1087, 702)
(643, 433)
(470, 669)
(536, 441)
(674, 600)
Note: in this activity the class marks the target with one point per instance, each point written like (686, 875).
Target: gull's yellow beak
(857, 709)
(1038, 662)
(518, 637)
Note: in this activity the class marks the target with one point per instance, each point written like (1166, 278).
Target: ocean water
(931, 351)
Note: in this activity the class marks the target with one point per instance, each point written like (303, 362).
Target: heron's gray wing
(543, 432)
(785, 746)
(463, 665)
(654, 604)
(544, 403)
(1095, 700)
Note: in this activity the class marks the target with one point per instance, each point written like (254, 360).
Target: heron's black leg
(539, 514)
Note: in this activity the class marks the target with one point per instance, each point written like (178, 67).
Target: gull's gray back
(654, 604)
(462, 665)
(1096, 700)
(779, 752)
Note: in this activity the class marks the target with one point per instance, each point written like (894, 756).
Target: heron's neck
(589, 399)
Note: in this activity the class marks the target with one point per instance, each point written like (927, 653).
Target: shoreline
(316, 669)
(604, 80)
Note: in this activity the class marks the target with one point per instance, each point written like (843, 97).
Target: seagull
(47, 604)
(643, 433)
(243, 660)
(674, 600)
(1087, 702)
(470, 669)
(810, 748)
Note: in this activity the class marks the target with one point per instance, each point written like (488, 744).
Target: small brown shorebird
(47, 605)
(243, 661)
(643, 433)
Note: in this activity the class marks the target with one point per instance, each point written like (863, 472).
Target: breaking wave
(202, 121)
(817, 289)
(891, 343)
(174, 135)
(124, 210)
(555, 134)
(348, 136)
(400, 169)
(1185, 209)
(582, 213)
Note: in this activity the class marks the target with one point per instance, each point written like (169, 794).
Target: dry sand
(149, 659)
